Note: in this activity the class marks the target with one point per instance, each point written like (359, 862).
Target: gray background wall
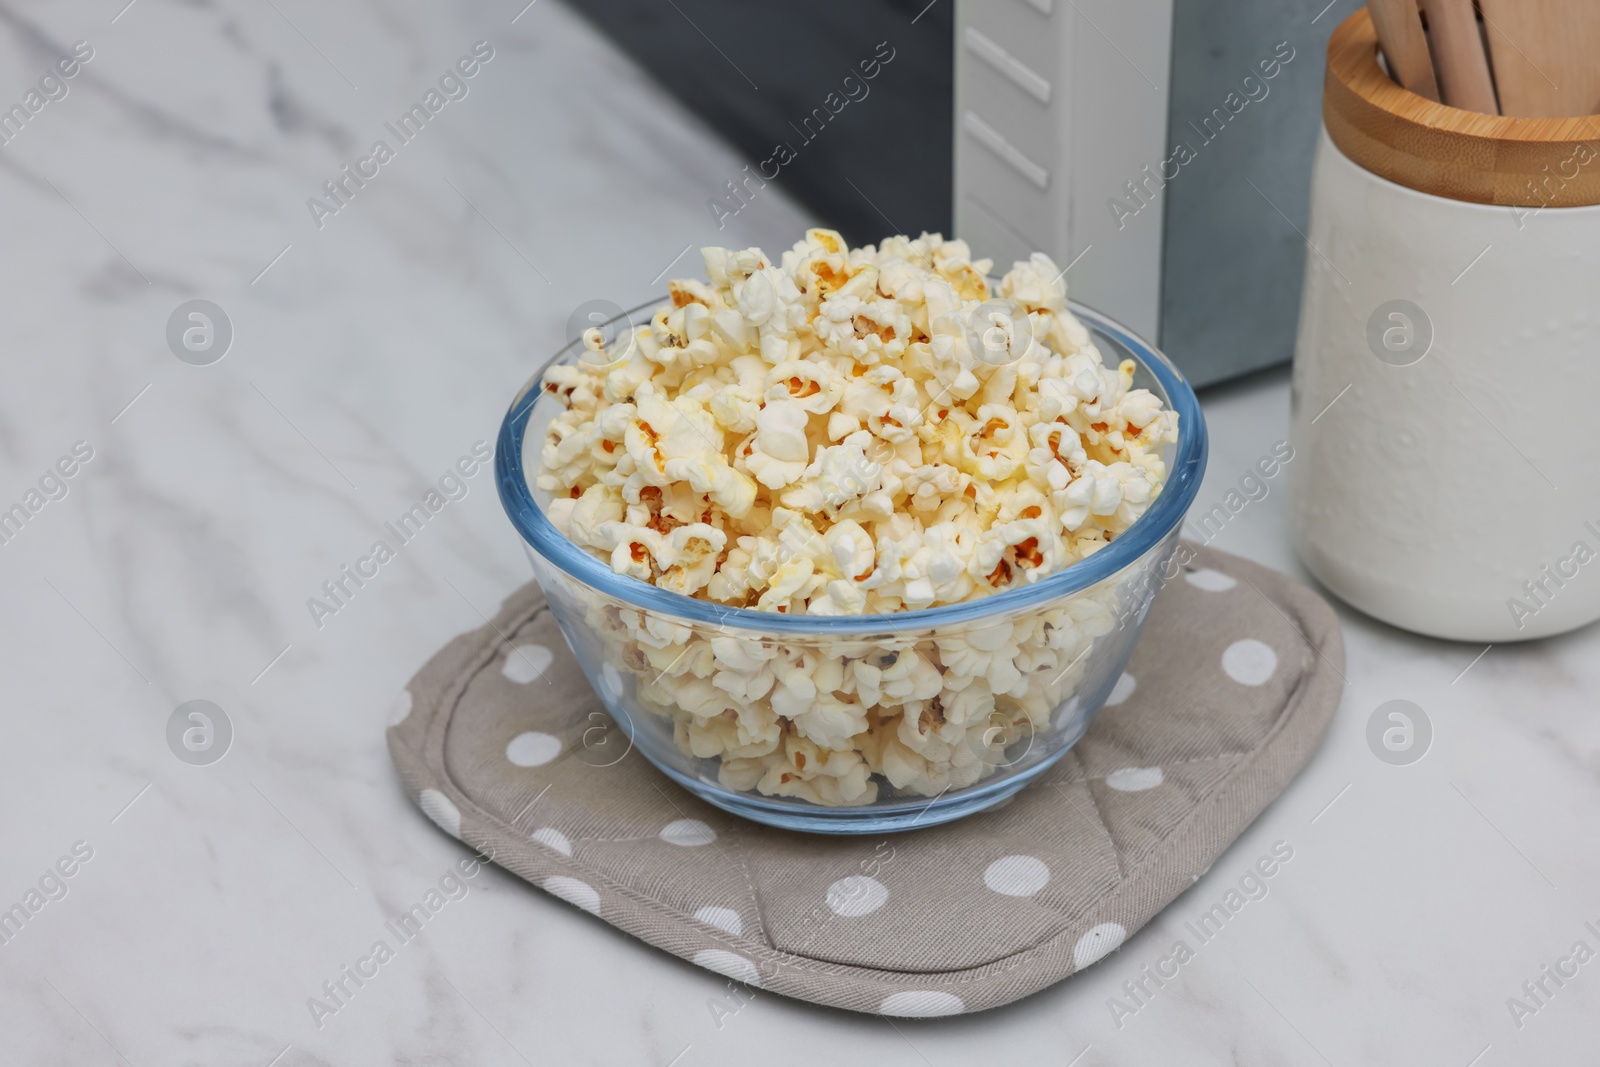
(1231, 264)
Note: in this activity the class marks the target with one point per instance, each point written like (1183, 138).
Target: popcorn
(853, 432)
(779, 452)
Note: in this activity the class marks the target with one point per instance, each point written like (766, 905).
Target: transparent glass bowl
(1050, 652)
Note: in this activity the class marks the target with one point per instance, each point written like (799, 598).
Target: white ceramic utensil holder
(1446, 387)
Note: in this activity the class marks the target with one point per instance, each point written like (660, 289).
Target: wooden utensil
(1463, 64)
(1546, 56)
(1404, 46)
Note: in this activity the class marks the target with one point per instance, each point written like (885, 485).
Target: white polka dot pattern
(1016, 876)
(921, 1004)
(1098, 943)
(1249, 662)
(610, 684)
(730, 964)
(442, 811)
(1209, 580)
(527, 663)
(856, 895)
(1134, 779)
(1122, 690)
(722, 918)
(917, 939)
(552, 838)
(531, 749)
(688, 833)
(577, 893)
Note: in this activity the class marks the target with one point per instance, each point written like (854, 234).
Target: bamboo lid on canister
(1462, 155)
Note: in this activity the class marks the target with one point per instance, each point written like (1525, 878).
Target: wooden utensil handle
(1458, 47)
(1545, 56)
(1404, 46)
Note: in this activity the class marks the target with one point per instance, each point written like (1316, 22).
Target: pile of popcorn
(849, 432)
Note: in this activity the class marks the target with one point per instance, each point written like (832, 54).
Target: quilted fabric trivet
(500, 740)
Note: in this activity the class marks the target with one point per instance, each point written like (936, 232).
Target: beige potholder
(1229, 691)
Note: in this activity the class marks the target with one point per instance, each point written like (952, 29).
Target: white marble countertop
(369, 354)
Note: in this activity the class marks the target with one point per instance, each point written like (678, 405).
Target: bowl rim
(1151, 529)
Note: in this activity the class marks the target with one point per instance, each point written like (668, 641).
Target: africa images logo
(342, 188)
(452, 485)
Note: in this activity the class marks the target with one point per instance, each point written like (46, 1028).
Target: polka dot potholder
(1230, 690)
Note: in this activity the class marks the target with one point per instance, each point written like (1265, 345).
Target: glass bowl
(1052, 650)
